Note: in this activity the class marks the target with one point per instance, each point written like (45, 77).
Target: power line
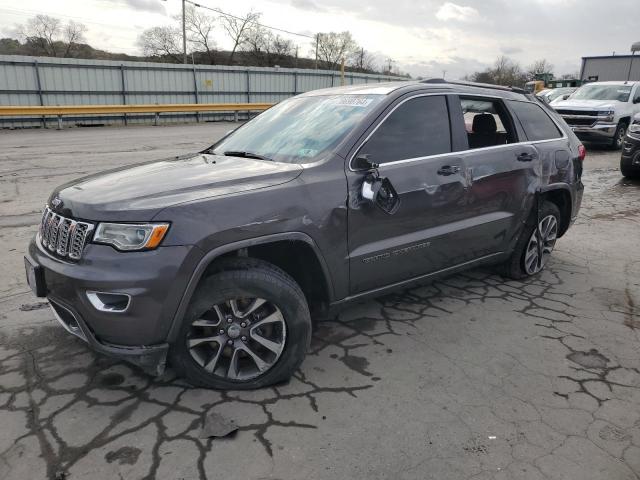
(217, 10)
(25, 12)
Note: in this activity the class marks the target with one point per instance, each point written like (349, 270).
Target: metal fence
(64, 81)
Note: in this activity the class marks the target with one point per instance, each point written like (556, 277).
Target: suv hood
(137, 193)
(586, 104)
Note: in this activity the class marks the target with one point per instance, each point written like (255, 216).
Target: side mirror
(564, 97)
(364, 162)
(380, 192)
(636, 100)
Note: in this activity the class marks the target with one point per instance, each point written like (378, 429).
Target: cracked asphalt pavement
(469, 377)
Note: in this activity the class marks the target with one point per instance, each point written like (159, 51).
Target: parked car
(630, 160)
(552, 94)
(218, 260)
(601, 111)
(534, 86)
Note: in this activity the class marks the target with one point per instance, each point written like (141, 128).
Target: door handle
(447, 170)
(526, 157)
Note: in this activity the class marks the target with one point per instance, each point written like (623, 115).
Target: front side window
(418, 128)
(486, 122)
(536, 123)
(300, 129)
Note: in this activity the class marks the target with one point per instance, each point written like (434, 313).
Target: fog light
(109, 302)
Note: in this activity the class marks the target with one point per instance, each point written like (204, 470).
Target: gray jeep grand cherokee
(218, 260)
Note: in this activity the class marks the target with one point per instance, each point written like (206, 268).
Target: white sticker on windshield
(307, 152)
(351, 101)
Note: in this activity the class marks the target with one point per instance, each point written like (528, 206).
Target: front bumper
(154, 280)
(631, 151)
(152, 359)
(599, 132)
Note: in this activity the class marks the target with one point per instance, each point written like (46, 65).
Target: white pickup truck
(601, 111)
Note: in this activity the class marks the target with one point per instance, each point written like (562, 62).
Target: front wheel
(247, 327)
(534, 248)
(628, 169)
(618, 137)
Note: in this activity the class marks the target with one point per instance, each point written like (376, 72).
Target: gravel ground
(469, 377)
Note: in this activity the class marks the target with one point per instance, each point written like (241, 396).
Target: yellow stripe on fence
(58, 110)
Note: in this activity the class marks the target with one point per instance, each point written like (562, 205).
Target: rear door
(502, 171)
(551, 144)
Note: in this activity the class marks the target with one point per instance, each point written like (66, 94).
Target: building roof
(609, 56)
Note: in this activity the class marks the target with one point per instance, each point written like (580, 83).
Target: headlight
(606, 115)
(131, 236)
(634, 127)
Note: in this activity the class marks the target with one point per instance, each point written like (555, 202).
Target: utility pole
(634, 48)
(184, 34)
(317, 42)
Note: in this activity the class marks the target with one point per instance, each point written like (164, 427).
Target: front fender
(216, 252)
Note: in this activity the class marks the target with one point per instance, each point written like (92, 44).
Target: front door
(412, 144)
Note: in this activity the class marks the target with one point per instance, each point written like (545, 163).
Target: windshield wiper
(234, 153)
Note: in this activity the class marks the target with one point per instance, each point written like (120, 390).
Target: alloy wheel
(538, 250)
(622, 131)
(238, 339)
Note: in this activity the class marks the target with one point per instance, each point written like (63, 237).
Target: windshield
(603, 92)
(557, 92)
(299, 130)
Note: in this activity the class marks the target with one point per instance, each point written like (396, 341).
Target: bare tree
(504, 72)
(539, 67)
(45, 35)
(282, 47)
(362, 60)
(162, 41)
(199, 28)
(507, 72)
(257, 43)
(42, 32)
(73, 36)
(237, 29)
(332, 47)
(265, 47)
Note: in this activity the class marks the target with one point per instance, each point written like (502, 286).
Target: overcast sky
(424, 37)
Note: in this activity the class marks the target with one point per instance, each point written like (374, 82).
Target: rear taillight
(582, 152)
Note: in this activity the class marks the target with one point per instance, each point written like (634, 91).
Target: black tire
(618, 137)
(514, 267)
(239, 278)
(628, 170)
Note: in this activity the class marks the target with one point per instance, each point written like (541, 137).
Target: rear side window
(417, 128)
(535, 121)
(486, 122)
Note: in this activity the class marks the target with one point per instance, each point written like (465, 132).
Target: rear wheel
(246, 327)
(533, 249)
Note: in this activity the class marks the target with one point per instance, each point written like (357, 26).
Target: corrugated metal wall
(611, 68)
(65, 81)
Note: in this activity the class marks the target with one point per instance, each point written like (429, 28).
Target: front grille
(580, 121)
(591, 113)
(63, 236)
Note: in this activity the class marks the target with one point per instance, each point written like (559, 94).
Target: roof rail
(474, 84)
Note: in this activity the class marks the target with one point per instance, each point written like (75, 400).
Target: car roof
(383, 88)
(388, 88)
(619, 82)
